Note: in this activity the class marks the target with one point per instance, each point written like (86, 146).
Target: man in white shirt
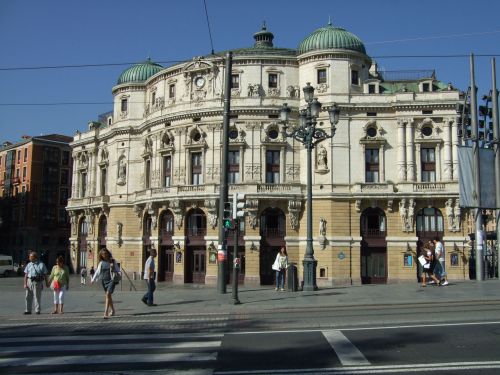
(439, 254)
(149, 276)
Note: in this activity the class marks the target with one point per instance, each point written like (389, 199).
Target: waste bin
(292, 281)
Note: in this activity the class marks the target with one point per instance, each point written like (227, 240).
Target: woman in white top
(280, 265)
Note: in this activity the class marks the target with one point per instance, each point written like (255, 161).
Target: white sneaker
(282, 289)
(445, 283)
(276, 289)
(432, 282)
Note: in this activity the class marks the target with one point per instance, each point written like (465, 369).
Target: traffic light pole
(223, 191)
(496, 147)
(236, 264)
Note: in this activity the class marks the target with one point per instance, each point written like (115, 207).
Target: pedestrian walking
(280, 265)
(103, 273)
(35, 274)
(150, 276)
(83, 276)
(59, 282)
(92, 272)
(428, 267)
(439, 255)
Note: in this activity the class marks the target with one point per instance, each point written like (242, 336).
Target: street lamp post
(307, 133)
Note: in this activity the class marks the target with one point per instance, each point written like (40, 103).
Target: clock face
(199, 82)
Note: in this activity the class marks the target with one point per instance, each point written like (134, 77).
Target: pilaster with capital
(447, 161)
(401, 150)
(410, 159)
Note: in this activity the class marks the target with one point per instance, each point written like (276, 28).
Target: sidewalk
(196, 299)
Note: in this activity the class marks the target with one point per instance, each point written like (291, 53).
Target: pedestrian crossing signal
(227, 218)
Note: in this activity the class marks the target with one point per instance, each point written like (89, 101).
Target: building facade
(35, 184)
(148, 176)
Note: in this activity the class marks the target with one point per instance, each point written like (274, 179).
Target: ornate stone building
(385, 184)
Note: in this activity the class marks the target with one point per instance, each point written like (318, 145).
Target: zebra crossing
(108, 352)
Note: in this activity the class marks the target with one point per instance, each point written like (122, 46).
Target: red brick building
(35, 184)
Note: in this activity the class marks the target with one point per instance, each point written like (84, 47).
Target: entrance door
(166, 264)
(195, 265)
(267, 257)
(374, 265)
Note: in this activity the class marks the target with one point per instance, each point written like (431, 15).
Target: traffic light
(238, 205)
(227, 217)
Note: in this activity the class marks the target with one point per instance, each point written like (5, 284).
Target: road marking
(102, 359)
(348, 354)
(383, 369)
(93, 338)
(369, 328)
(109, 346)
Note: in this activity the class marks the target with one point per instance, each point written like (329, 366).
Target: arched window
(272, 223)
(167, 224)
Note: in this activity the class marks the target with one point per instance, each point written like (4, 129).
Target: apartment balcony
(373, 233)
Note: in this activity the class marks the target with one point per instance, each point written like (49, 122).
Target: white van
(6, 265)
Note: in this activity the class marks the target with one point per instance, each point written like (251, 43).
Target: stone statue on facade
(122, 172)
(322, 159)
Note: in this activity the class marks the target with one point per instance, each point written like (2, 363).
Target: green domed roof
(139, 72)
(330, 37)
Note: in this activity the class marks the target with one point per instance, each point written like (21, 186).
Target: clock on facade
(199, 82)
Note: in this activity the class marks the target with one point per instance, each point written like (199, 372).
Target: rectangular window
(65, 158)
(371, 165)
(354, 77)
(321, 75)
(147, 174)
(64, 176)
(63, 197)
(167, 170)
(17, 173)
(171, 91)
(25, 155)
(124, 105)
(24, 174)
(372, 89)
(104, 181)
(234, 167)
(196, 172)
(83, 184)
(272, 167)
(428, 164)
(18, 156)
(273, 80)
(153, 98)
(235, 81)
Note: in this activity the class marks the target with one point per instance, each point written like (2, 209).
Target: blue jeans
(280, 279)
(151, 289)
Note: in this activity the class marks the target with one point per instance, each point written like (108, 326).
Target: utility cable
(208, 25)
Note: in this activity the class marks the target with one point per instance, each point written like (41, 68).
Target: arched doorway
(102, 231)
(373, 246)
(195, 255)
(82, 243)
(272, 232)
(429, 225)
(166, 254)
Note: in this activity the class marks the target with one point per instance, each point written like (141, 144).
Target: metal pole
(496, 148)
(223, 192)
(477, 174)
(235, 256)
(309, 262)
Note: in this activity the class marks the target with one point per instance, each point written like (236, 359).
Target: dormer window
(354, 77)
(321, 76)
(235, 81)
(124, 105)
(426, 86)
(273, 80)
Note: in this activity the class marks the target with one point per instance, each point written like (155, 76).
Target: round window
(371, 132)
(196, 137)
(273, 134)
(427, 131)
(233, 134)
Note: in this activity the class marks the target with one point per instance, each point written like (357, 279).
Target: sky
(35, 34)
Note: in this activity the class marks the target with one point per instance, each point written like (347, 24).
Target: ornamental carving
(235, 92)
(119, 231)
(292, 171)
(453, 214)
(273, 92)
(252, 207)
(407, 214)
(321, 88)
(211, 206)
(252, 172)
(177, 209)
(180, 175)
(294, 208)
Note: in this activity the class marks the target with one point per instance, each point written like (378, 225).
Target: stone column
(410, 160)
(401, 151)
(418, 158)
(438, 163)
(454, 149)
(447, 163)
